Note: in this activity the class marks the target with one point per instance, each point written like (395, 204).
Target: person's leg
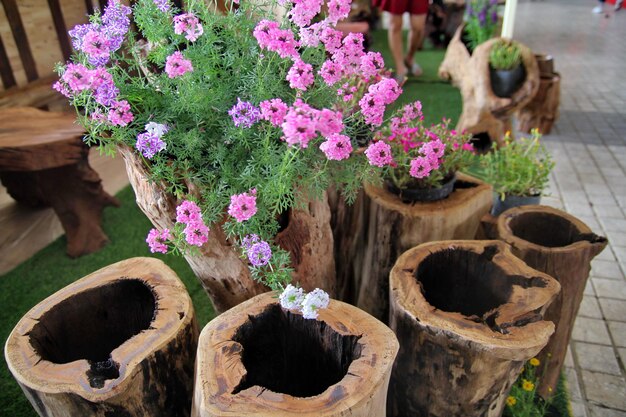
(599, 8)
(418, 22)
(395, 42)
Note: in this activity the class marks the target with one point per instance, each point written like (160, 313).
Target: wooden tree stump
(120, 341)
(543, 110)
(484, 112)
(394, 227)
(43, 163)
(468, 314)
(224, 275)
(562, 246)
(260, 360)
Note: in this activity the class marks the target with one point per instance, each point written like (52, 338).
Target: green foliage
(521, 167)
(523, 400)
(481, 19)
(505, 55)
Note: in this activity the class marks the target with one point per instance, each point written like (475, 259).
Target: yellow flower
(527, 385)
(511, 401)
(534, 362)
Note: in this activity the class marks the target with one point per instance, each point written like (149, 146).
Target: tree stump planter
(543, 110)
(468, 314)
(118, 342)
(260, 360)
(224, 275)
(394, 227)
(562, 246)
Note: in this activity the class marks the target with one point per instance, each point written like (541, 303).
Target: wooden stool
(43, 163)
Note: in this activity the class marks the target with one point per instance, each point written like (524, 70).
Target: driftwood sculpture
(223, 273)
(483, 112)
(543, 109)
(260, 360)
(394, 227)
(562, 246)
(121, 341)
(467, 315)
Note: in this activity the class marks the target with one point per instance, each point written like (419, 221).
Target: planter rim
(30, 370)
(506, 234)
(367, 372)
(529, 339)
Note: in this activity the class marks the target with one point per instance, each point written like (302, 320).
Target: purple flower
(78, 33)
(162, 5)
(259, 253)
(249, 240)
(482, 17)
(115, 17)
(149, 144)
(244, 113)
(106, 94)
(494, 16)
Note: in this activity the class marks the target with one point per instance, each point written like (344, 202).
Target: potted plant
(518, 171)
(481, 19)
(506, 69)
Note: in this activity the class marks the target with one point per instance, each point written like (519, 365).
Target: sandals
(413, 68)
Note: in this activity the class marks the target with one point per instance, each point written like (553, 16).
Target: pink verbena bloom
(176, 65)
(96, 44)
(62, 88)
(387, 88)
(329, 122)
(331, 38)
(412, 112)
(468, 147)
(300, 124)
(188, 212)
(338, 10)
(157, 241)
(274, 111)
(379, 154)
(420, 167)
(262, 32)
(120, 114)
(77, 77)
(331, 72)
(303, 11)
(300, 75)
(196, 233)
(149, 144)
(188, 24)
(269, 36)
(337, 147)
(310, 36)
(434, 149)
(371, 64)
(242, 206)
(244, 114)
(373, 108)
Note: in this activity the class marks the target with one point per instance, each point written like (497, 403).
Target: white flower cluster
(293, 298)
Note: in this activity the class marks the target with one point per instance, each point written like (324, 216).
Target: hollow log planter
(562, 246)
(468, 314)
(543, 110)
(118, 342)
(258, 359)
(224, 275)
(394, 227)
(483, 112)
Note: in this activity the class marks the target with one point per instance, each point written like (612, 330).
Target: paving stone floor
(589, 181)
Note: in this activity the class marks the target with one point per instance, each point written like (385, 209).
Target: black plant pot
(500, 206)
(506, 82)
(423, 194)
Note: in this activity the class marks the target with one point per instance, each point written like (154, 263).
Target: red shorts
(402, 6)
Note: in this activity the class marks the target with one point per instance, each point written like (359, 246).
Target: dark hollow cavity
(482, 142)
(288, 354)
(92, 323)
(547, 230)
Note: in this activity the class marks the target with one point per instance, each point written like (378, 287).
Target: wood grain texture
(394, 227)
(21, 39)
(562, 246)
(6, 73)
(468, 314)
(155, 365)
(543, 110)
(361, 392)
(60, 28)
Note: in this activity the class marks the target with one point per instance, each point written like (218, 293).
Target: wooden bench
(43, 163)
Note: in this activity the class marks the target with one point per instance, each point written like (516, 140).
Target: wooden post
(394, 227)
(224, 275)
(468, 314)
(260, 360)
(562, 246)
(120, 341)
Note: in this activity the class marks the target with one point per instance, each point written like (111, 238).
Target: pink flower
(434, 149)
(371, 64)
(338, 10)
(188, 212)
(379, 154)
(310, 36)
(329, 122)
(468, 147)
(331, 72)
(331, 39)
(120, 114)
(96, 44)
(62, 88)
(300, 75)
(77, 77)
(273, 111)
(157, 241)
(262, 32)
(373, 108)
(387, 88)
(176, 65)
(303, 12)
(188, 24)
(300, 124)
(269, 36)
(242, 206)
(337, 147)
(196, 233)
(420, 167)
(412, 111)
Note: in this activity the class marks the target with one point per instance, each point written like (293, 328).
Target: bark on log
(222, 273)
(120, 341)
(543, 109)
(468, 314)
(260, 360)
(483, 111)
(394, 227)
(562, 246)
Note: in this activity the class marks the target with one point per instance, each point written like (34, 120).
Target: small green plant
(523, 400)
(481, 19)
(519, 168)
(505, 55)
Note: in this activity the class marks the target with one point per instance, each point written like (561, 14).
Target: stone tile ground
(589, 181)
